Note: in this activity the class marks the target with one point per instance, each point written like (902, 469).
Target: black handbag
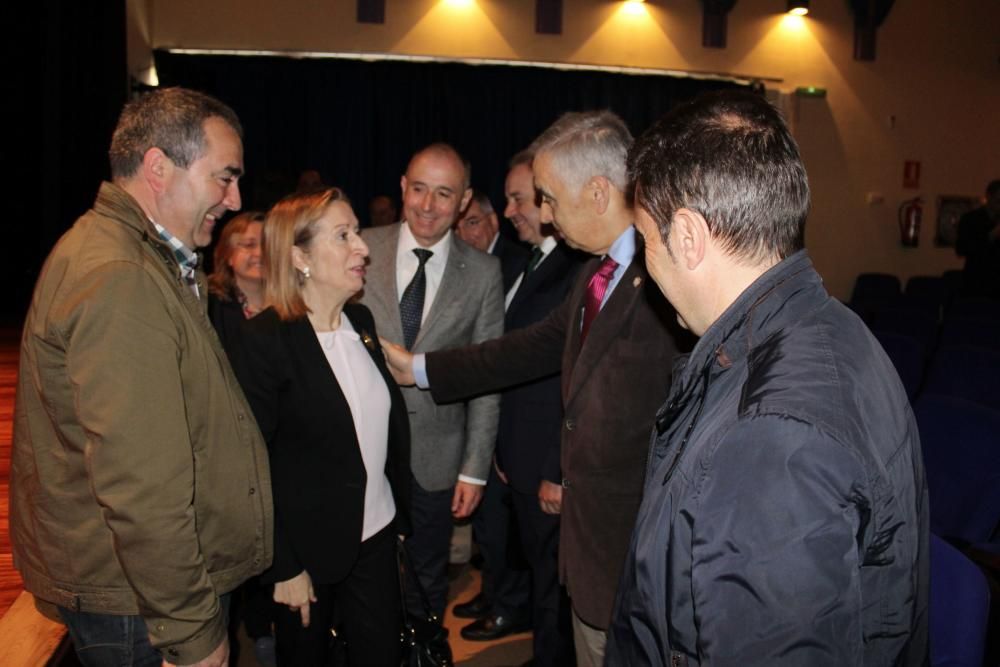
(424, 639)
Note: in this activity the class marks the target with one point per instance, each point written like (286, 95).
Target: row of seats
(946, 348)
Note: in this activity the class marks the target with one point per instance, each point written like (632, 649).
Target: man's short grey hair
(584, 144)
(171, 119)
(483, 200)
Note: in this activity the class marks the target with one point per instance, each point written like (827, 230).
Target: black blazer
(229, 321)
(317, 472)
(531, 414)
(513, 258)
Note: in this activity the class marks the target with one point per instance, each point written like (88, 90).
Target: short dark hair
(993, 187)
(526, 156)
(171, 119)
(729, 156)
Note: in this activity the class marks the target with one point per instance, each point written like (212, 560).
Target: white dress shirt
(407, 264)
(406, 267)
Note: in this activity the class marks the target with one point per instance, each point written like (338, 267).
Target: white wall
(933, 93)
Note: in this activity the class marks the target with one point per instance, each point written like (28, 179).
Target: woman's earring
(305, 273)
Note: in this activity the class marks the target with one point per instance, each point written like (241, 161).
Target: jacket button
(565, 483)
(173, 651)
(252, 490)
(570, 424)
(240, 416)
(159, 627)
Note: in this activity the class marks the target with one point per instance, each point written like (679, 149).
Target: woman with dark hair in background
(337, 432)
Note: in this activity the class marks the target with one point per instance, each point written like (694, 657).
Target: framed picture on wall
(949, 209)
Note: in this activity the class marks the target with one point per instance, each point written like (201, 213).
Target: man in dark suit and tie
(527, 458)
(480, 228)
(432, 292)
(613, 340)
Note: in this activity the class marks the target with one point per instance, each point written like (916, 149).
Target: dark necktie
(411, 306)
(596, 289)
(536, 257)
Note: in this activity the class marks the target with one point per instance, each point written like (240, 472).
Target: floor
(510, 651)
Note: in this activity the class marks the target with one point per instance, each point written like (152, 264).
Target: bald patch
(446, 152)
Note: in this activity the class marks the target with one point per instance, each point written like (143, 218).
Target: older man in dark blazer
(613, 338)
(527, 458)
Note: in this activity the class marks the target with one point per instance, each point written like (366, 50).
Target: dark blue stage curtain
(358, 122)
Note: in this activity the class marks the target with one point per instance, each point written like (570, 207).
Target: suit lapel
(368, 338)
(306, 346)
(382, 283)
(554, 263)
(448, 293)
(606, 326)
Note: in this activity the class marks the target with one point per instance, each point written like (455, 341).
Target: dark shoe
(493, 627)
(477, 607)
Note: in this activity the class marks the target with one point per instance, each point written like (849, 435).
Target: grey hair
(171, 119)
(584, 144)
(483, 200)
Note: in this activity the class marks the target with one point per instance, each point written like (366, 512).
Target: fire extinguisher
(910, 213)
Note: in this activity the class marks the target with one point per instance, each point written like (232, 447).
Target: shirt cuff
(420, 372)
(471, 480)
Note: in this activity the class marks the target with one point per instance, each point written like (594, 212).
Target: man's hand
(550, 497)
(297, 593)
(217, 658)
(466, 500)
(400, 362)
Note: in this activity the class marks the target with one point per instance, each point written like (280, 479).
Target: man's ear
(598, 192)
(402, 186)
(156, 169)
(466, 198)
(692, 236)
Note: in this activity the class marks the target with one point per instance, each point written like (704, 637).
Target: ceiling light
(798, 7)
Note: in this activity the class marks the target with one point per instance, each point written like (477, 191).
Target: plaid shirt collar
(187, 258)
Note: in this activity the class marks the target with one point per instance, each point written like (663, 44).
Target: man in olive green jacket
(140, 494)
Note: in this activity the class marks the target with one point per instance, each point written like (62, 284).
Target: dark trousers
(552, 642)
(106, 640)
(506, 584)
(429, 545)
(365, 605)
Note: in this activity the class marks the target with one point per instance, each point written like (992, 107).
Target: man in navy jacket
(784, 516)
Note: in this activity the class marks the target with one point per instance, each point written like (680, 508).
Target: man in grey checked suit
(462, 303)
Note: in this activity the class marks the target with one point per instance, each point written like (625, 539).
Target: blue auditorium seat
(959, 608)
(961, 447)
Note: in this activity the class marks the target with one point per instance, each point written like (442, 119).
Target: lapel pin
(636, 281)
(367, 340)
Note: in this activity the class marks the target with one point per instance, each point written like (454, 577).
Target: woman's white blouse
(368, 397)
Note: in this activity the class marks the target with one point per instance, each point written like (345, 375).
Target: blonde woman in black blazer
(338, 437)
